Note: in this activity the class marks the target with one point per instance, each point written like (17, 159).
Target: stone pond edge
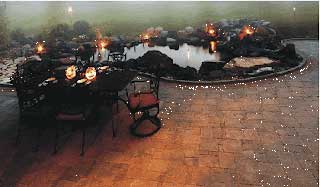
(219, 82)
(250, 79)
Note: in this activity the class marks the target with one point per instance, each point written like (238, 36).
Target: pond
(186, 55)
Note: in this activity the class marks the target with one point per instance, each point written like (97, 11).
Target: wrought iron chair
(143, 102)
(72, 105)
(117, 58)
(34, 111)
(85, 52)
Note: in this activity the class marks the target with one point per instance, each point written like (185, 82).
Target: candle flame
(71, 72)
(91, 73)
(40, 48)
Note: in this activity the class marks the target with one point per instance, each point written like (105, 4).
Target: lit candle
(71, 72)
(91, 73)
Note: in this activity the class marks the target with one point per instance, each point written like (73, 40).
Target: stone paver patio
(263, 133)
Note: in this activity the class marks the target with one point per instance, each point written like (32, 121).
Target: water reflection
(187, 55)
(213, 46)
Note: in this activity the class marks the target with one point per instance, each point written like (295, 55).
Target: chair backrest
(156, 81)
(117, 57)
(28, 93)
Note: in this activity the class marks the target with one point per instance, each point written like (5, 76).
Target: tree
(4, 38)
(81, 27)
(60, 31)
(19, 36)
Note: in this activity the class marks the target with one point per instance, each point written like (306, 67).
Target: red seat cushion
(70, 117)
(74, 113)
(142, 100)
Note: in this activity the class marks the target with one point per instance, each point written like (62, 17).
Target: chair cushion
(70, 117)
(74, 113)
(142, 100)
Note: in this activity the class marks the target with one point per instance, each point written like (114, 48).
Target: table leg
(114, 126)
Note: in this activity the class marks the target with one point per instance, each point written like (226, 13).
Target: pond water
(186, 55)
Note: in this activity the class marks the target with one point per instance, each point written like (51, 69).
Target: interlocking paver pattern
(263, 133)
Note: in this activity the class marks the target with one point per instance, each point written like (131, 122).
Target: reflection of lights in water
(213, 46)
(188, 54)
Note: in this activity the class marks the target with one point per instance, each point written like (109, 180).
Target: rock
(152, 59)
(171, 40)
(195, 41)
(189, 30)
(289, 62)
(27, 50)
(208, 66)
(115, 39)
(248, 62)
(174, 46)
(288, 51)
(132, 64)
(262, 71)
(240, 52)
(158, 29)
(223, 23)
(163, 34)
(266, 23)
(72, 45)
(187, 73)
(216, 74)
(172, 34)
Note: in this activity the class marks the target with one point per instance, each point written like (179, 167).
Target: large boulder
(248, 62)
(288, 51)
(154, 59)
(163, 34)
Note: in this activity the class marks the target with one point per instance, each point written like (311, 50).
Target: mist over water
(134, 17)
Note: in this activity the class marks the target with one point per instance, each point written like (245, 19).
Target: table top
(113, 81)
(110, 81)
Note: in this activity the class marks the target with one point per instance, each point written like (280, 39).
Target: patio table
(107, 86)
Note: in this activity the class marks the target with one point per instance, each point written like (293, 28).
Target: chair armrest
(141, 81)
(134, 81)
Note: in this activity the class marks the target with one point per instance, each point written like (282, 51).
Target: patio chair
(117, 59)
(34, 111)
(72, 106)
(144, 102)
(85, 52)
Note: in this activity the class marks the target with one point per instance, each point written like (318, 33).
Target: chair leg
(83, 141)
(18, 134)
(36, 147)
(56, 138)
(117, 95)
(154, 119)
(114, 128)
